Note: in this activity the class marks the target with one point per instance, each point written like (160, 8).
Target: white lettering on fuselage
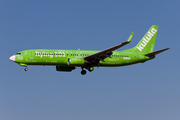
(44, 54)
(146, 39)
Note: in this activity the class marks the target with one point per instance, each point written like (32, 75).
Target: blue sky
(148, 91)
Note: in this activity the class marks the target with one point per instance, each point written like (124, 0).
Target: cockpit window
(19, 53)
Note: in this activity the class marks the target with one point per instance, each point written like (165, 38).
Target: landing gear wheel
(83, 72)
(25, 69)
(90, 69)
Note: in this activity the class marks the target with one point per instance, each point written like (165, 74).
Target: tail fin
(147, 43)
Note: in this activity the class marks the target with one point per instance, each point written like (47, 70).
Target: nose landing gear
(25, 69)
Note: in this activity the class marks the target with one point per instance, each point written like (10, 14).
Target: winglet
(130, 37)
(156, 52)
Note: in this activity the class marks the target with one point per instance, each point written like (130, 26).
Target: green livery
(68, 60)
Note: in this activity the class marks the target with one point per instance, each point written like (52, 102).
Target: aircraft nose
(12, 58)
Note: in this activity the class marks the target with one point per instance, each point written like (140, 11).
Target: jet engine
(64, 68)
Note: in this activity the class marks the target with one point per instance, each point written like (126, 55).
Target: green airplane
(68, 60)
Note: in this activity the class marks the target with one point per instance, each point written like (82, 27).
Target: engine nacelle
(64, 68)
(76, 61)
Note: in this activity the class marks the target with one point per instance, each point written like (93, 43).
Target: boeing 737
(68, 60)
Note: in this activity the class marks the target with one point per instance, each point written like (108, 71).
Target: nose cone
(12, 58)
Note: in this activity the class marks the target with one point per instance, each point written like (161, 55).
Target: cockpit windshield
(19, 53)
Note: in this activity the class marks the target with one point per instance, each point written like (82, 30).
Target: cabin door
(135, 57)
(31, 54)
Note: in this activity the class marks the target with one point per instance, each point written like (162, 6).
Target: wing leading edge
(108, 52)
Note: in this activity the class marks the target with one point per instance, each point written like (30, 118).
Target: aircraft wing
(108, 52)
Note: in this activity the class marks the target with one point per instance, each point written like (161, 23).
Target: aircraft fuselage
(60, 57)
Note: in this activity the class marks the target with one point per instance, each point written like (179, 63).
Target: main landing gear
(90, 69)
(83, 72)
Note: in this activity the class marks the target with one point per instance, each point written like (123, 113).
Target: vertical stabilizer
(147, 43)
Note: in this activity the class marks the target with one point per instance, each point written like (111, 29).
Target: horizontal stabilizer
(156, 52)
